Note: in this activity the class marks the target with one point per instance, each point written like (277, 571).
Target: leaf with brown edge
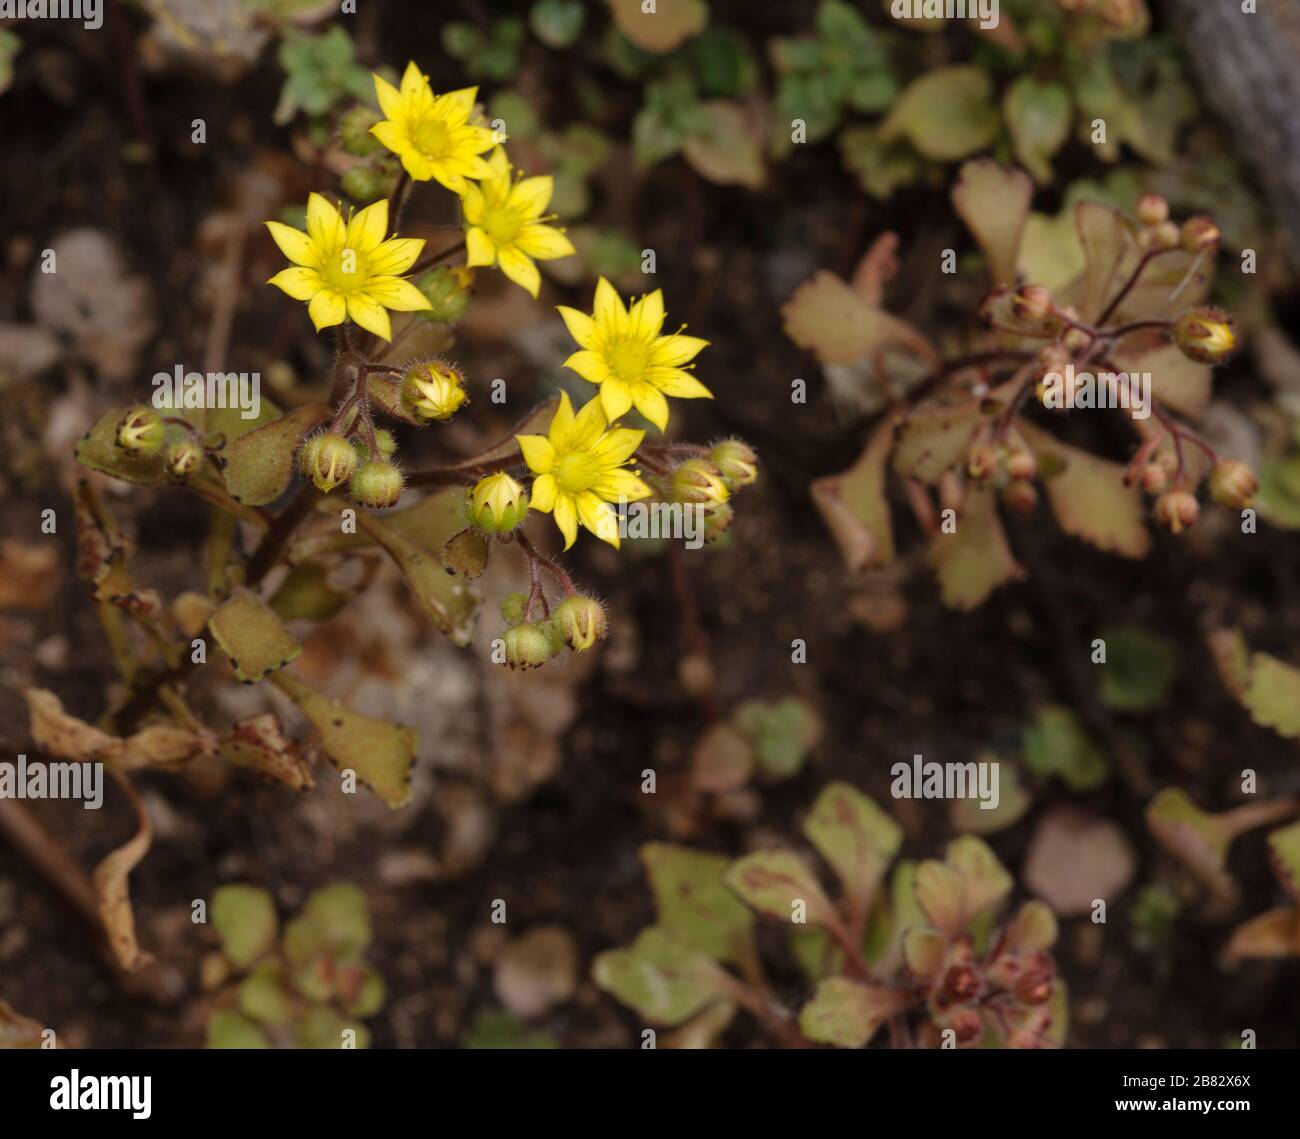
(102, 554)
(856, 838)
(1110, 255)
(855, 505)
(1177, 382)
(972, 562)
(99, 451)
(847, 1013)
(258, 467)
(252, 636)
(935, 439)
(1088, 496)
(259, 742)
(59, 734)
(446, 598)
(113, 889)
(1270, 935)
(993, 201)
(771, 882)
(380, 753)
(465, 553)
(695, 906)
(829, 318)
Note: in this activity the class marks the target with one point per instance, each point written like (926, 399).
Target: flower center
(576, 472)
(628, 358)
(432, 138)
(502, 225)
(346, 270)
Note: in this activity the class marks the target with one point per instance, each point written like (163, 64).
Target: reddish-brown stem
(434, 258)
(1145, 260)
(535, 556)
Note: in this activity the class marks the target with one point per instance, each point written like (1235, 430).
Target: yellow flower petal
(519, 269)
(544, 492)
(396, 256)
(561, 423)
(589, 365)
(368, 227)
(538, 453)
(293, 243)
(531, 196)
(456, 105)
(397, 294)
(370, 315)
(581, 327)
(618, 445)
(646, 317)
(499, 164)
(615, 398)
(479, 249)
(608, 309)
(391, 135)
(421, 169)
(544, 242)
(565, 514)
(598, 516)
(324, 226)
(473, 205)
(621, 485)
(299, 282)
(327, 308)
(588, 426)
(413, 81)
(390, 98)
(674, 351)
(651, 403)
(677, 383)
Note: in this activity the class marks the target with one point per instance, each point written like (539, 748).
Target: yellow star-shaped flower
(347, 269)
(623, 352)
(579, 469)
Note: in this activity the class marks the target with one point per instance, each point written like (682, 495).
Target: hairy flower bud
(581, 622)
(433, 390)
(526, 646)
(1205, 334)
(1199, 234)
(737, 462)
(1177, 509)
(447, 291)
(1233, 484)
(354, 131)
(513, 606)
(497, 503)
(698, 480)
(1031, 302)
(140, 431)
(183, 458)
(377, 484)
(328, 460)
(1152, 209)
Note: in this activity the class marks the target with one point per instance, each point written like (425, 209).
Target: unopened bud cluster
(577, 623)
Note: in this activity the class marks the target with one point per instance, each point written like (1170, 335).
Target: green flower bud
(387, 445)
(377, 484)
(737, 462)
(527, 646)
(581, 622)
(717, 520)
(498, 503)
(183, 458)
(512, 607)
(365, 184)
(328, 460)
(432, 390)
(141, 431)
(447, 290)
(354, 131)
(698, 480)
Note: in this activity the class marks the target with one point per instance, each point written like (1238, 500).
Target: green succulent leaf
(1056, 744)
(244, 918)
(263, 996)
(695, 906)
(258, 467)
(1038, 117)
(252, 636)
(947, 114)
(847, 1013)
(228, 1029)
(664, 980)
(774, 883)
(856, 838)
(99, 451)
(1139, 671)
